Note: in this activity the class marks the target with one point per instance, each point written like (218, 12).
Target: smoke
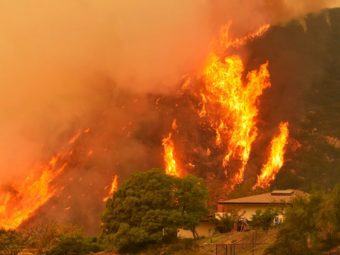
(56, 57)
(248, 15)
(283, 10)
(69, 64)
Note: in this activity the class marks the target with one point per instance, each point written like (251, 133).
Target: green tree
(295, 233)
(150, 207)
(311, 225)
(192, 201)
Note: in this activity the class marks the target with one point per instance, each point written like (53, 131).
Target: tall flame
(276, 158)
(113, 188)
(230, 103)
(171, 167)
(19, 201)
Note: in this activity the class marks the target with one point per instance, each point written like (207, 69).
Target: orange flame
(171, 167)
(19, 201)
(231, 105)
(230, 102)
(113, 188)
(276, 158)
(227, 43)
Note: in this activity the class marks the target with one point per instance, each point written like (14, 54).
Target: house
(246, 207)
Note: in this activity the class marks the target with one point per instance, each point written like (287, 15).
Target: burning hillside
(229, 104)
(19, 201)
(231, 120)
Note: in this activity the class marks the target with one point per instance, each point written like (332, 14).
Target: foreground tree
(150, 207)
(312, 226)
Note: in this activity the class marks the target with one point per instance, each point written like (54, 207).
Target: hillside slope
(304, 57)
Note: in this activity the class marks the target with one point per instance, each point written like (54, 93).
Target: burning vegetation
(231, 107)
(276, 157)
(225, 98)
(19, 202)
(229, 100)
(170, 164)
(112, 188)
(222, 120)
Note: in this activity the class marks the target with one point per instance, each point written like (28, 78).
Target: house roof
(274, 197)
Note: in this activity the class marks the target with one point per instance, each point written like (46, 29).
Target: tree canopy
(149, 208)
(312, 225)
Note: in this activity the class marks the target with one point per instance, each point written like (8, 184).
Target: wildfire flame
(113, 188)
(227, 43)
(19, 201)
(171, 167)
(230, 103)
(276, 158)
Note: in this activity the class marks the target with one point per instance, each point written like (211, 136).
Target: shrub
(44, 236)
(74, 245)
(263, 219)
(225, 224)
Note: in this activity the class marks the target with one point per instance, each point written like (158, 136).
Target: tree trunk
(194, 233)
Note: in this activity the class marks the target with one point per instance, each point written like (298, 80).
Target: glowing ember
(171, 167)
(113, 188)
(174, 124)
(76, 136)
(276, 158)
(19, 201)
(230, 103)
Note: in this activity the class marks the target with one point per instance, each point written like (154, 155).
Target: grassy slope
(206, 246)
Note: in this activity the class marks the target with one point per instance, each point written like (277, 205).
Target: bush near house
(225, 223)
(263, 219)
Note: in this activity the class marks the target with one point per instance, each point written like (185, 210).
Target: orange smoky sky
(55, 54)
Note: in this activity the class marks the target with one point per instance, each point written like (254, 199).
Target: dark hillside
(304, 58)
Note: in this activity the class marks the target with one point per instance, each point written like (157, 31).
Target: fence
(335, 251)
(240, 248)
(252, 249)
